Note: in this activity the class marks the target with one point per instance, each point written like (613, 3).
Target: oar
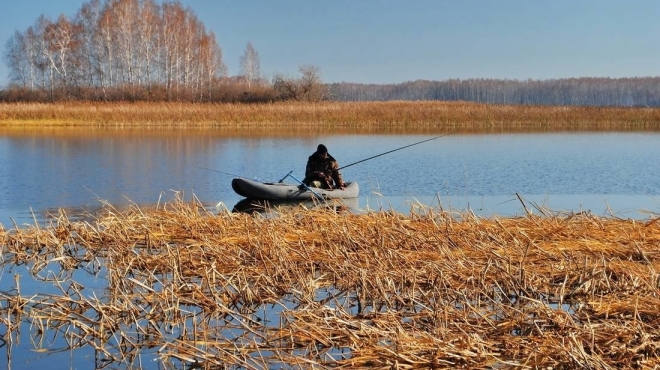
(303, 184)
(285, 176)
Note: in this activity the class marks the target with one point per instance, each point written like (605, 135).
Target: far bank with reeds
(357, 115)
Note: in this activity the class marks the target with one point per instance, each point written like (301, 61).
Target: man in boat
(322, 169)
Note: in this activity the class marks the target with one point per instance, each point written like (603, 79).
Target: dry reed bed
(314, 289)
(419, 115)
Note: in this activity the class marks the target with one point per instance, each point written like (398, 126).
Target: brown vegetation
(411, 116)
(125, 46)
(130, 50)
(314, 289)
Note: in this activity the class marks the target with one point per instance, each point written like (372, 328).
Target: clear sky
(388, 41)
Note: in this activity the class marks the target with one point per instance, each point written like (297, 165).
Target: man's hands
(321, 175)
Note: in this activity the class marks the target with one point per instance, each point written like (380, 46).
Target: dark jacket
(328, 166)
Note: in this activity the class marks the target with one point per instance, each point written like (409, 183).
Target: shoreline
(393, 115)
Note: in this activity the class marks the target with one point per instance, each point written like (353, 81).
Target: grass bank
(317, 289)
(332, 115)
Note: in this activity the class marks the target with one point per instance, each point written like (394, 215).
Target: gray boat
(253, 189)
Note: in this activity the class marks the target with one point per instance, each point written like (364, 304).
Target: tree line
(138, 50)
(626, 92)
(141, 50)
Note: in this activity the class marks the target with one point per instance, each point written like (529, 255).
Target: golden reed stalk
(320, 289)
(331, 115)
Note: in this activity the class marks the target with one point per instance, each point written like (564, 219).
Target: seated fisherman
(322, 170)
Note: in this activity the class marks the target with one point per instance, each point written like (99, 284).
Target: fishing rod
(394, 150)
(224, 173)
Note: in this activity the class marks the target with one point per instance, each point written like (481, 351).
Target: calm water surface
(76, 169)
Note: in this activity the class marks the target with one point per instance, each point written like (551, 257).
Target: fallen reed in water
(316, 288)
(355, 115)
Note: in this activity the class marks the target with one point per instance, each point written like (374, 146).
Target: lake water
(41, 171)
(76, 169)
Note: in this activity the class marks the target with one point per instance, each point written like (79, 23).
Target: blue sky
(389, 41)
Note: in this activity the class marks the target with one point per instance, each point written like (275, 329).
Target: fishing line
(394, 150)
(348, 165)
(224, 173)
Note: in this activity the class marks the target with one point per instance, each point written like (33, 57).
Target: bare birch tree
(120, 46)
(89, 55)
(172, 20)
(250, 65)
(16, 56)
(61, 42)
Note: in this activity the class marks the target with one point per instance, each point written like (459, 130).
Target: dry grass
(331, 115)
(317, 289)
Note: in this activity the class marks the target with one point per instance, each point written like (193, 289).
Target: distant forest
(626, 92)
(139, 50)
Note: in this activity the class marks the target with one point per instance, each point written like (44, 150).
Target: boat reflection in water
(269, 207)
